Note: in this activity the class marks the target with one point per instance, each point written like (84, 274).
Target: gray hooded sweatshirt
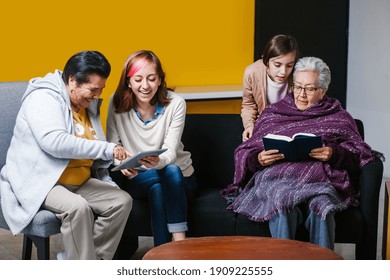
(41, 147)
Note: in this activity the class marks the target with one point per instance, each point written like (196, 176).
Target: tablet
(133, 161)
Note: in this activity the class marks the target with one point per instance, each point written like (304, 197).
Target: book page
(303, 134)
(278, 137)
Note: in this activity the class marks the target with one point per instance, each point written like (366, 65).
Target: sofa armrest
(370, 184)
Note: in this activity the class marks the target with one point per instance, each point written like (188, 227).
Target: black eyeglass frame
(298, 89)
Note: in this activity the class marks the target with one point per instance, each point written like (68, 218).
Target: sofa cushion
(44, 224)
(244, 226)
(139, 221)
(349, 226)
(207, 215)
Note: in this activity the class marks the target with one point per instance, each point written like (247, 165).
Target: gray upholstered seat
(45, 223)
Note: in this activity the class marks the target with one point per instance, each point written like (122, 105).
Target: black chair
(355, 225)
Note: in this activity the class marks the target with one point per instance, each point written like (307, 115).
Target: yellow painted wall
(199, 42)
(232, 106)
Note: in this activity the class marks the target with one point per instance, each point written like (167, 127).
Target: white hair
(315, 64)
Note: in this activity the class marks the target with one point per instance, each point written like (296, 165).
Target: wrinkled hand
(322, 154)
(269, 157)
(120, 153)
(150, 161)
(248, 132)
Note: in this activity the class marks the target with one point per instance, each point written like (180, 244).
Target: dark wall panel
(320, 27)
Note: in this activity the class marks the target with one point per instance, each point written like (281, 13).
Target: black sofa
(212, 139)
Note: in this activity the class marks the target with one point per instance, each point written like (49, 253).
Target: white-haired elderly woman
(268, 188)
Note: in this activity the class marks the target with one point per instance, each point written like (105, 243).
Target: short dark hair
(82, 64)
(280, 45)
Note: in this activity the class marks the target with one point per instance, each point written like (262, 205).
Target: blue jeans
(166, 190)
(322, 232)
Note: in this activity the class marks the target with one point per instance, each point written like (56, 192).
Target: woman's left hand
(322, 154)
(150, 161)
(131, 172)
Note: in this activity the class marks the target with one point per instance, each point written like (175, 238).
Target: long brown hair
(280, 45)
(124, 98)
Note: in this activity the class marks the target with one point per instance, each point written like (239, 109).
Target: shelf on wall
(210, 92)
(219, 99)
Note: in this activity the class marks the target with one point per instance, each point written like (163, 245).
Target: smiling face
(144, 83)
(81, 95)
(307, 80)
(280, 67)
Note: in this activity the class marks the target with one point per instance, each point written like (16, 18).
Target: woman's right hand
(269, 157)
(120, 153)
(248, 132)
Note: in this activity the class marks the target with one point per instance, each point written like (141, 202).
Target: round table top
(240, 248)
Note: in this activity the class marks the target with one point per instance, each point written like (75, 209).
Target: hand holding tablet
(133, 161)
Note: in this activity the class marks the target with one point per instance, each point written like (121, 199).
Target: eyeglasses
(306, 90)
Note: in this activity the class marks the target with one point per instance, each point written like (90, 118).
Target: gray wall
(368, 94)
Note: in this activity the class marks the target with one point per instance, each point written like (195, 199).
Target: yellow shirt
(79, 170)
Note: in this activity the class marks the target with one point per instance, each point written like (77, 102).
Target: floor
(11, 246)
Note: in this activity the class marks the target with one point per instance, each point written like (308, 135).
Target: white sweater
(41, 146)
(129, 131)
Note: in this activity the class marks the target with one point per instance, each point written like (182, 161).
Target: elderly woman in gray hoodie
(58, 160)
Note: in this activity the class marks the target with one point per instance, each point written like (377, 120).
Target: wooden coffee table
(240, 248)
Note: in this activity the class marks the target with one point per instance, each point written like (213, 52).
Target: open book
(294, 148)
(132, 162)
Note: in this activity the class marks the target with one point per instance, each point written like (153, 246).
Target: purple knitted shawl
(260, 192)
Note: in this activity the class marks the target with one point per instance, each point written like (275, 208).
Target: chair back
(10, 100)
(360, 127)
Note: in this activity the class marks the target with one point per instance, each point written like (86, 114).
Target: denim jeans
(166, 190)
(322, 232)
